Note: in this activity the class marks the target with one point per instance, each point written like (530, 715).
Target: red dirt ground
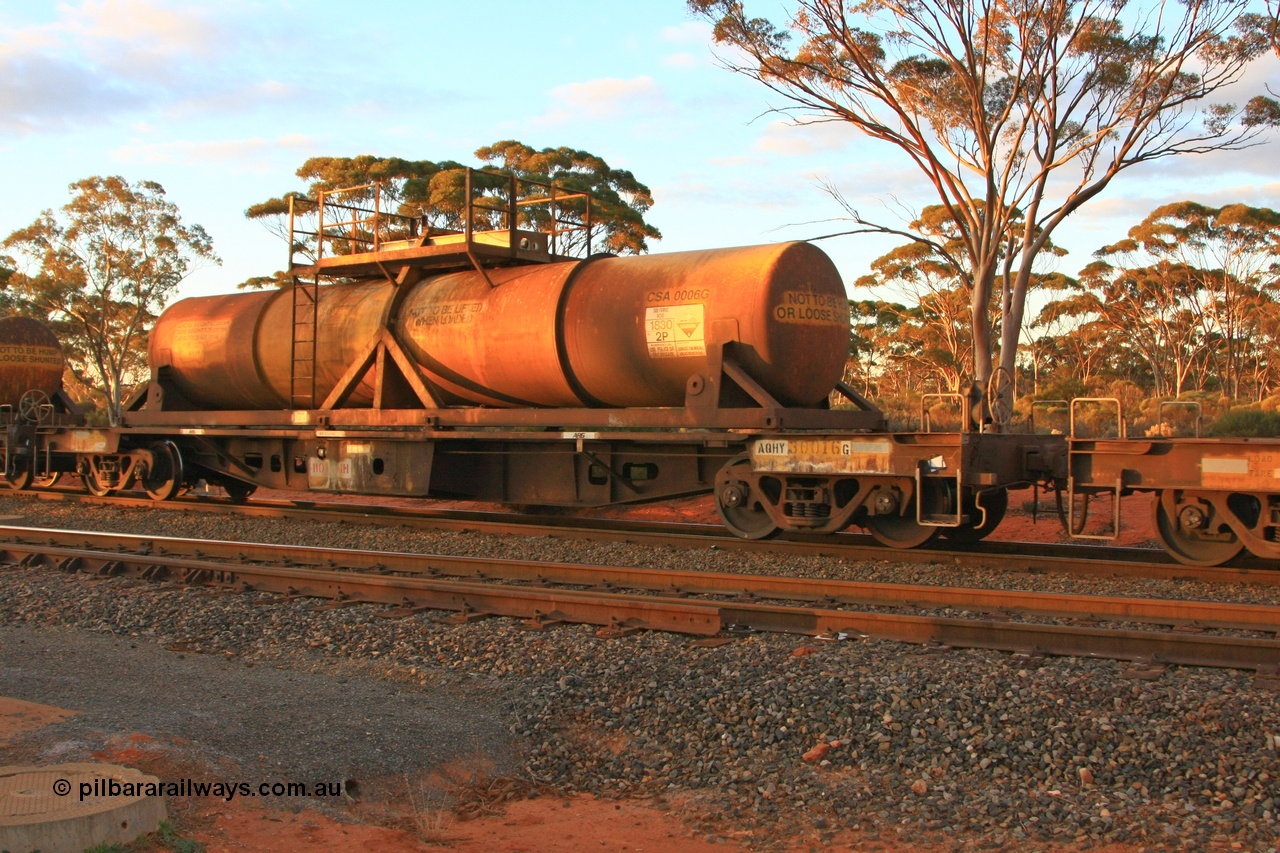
(548, 824)
(540, 825)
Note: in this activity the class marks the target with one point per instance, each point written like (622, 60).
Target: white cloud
(244, 152)
(604, 98)
(101, 58)
(690, 32)
(803, 139)
(137, 36)
(47, 93)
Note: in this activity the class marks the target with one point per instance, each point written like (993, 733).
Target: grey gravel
(288, 723)
(969, 748)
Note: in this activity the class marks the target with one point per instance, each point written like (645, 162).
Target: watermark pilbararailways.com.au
(225, 789)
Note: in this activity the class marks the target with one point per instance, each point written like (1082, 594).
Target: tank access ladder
(504, 221)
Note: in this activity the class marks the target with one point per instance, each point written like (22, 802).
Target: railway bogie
(904, 488)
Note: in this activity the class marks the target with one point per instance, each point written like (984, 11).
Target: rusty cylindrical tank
(625, 331)
(30, 359)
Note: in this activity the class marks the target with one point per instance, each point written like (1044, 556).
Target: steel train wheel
(1185, 540)
(18, 477)
(739, 509)
(46, 481)
(164, 477)
(900, 529)
(994, 501)
(238, 490)
(94, 486)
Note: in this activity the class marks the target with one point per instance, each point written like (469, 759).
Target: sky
(222, 102)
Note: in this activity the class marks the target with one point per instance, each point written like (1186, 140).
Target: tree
(1153, 312)
(932, 331)
(435, 192)
(1234, 252)
(1273, 14)
(99, 271)
(874, 327)
(1018, 112)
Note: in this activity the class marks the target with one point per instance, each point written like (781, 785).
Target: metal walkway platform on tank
(362, 239)
(441, 253)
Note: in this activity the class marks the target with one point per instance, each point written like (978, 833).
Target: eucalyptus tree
(1234, 253)
(1016, 112)
(100, 269)
(435, 193)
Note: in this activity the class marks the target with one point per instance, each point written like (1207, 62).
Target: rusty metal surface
(30, 360)
(614, 331)
(1230, 615)
(1212, 497)
(637, 328)
(235, 351)
(441, 254)
(674, 418)
(1225, 464)
(660, 612)
(200, 344)
(494, 344)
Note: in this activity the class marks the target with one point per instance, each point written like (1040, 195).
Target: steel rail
(623, 612)
(1175, 612)
(1109, 561)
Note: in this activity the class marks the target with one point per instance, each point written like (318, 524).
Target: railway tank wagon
(33, 406)
(489, 362)
(492, 364)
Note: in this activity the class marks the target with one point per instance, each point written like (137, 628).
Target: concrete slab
(67, 808)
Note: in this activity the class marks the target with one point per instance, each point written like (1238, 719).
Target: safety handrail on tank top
(343, 223)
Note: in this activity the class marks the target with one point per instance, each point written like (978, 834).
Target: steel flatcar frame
(1211, 497)
(765, 478)
(804, 470)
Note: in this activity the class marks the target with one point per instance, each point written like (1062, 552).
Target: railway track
(623, 600)
(1111, 561)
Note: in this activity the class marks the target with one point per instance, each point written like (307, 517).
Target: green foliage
(1247, 422)
(100, 269)
(435, 193)
(171, 838)
(1063, 387)
(1187, 295)
(620, 200)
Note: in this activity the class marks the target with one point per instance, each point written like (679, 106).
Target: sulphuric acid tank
(612, 331)
(30, 359)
